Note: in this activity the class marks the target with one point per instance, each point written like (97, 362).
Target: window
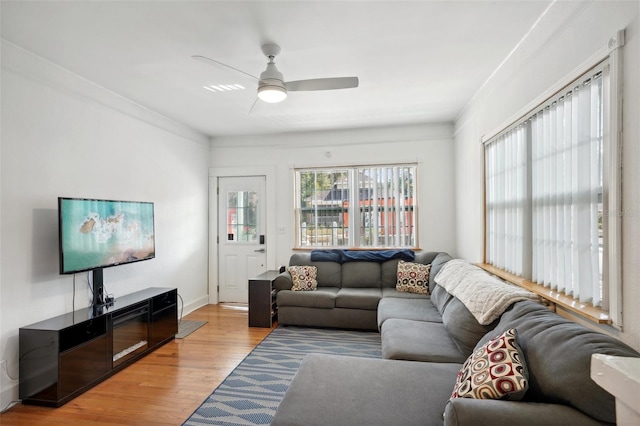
(364, 206)
(242, 216)
(551, 184)
(566, 191)
(506, 200)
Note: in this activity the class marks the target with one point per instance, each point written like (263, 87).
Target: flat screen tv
(97, 234)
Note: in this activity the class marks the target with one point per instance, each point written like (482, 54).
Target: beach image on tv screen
(102, 233)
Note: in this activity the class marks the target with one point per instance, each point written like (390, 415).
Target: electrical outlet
(281, 230)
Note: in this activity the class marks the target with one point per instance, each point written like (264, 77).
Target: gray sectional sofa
(425, 342)
(348, 293)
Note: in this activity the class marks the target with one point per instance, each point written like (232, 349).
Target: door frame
(270, 229)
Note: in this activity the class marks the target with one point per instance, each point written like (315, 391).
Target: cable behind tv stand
(66, 355)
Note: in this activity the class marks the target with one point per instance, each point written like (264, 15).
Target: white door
(241, 231)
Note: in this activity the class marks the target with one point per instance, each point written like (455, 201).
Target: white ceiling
(418, 61)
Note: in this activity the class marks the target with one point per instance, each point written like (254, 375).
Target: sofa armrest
(467, 411)
(283, 281)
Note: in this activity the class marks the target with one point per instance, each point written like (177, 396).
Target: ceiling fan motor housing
(270, 82)
(271, 76)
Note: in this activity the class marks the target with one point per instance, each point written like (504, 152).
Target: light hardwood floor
(164, 387)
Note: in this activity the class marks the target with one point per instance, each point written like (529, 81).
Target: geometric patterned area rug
(253, 391)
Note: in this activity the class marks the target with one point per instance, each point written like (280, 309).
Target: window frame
(612, 189)
(354, 210)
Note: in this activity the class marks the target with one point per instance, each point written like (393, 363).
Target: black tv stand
(66, 355)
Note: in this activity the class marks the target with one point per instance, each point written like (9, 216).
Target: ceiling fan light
(272, 93)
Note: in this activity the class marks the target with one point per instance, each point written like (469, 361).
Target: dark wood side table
(263, 310)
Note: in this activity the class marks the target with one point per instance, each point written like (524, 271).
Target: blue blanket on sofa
(341, 256)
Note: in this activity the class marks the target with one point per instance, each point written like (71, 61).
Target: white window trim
(613, 181)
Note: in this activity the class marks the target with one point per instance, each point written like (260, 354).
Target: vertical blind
(544, 192)
(386, 200)
(566, 145)
(506, 189)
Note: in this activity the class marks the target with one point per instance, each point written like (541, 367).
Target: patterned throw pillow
(413, 277)
(304, 278)
(494, 371)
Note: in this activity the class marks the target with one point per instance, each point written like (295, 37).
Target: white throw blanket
(486, 296)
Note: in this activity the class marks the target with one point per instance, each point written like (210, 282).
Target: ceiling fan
(271, 85)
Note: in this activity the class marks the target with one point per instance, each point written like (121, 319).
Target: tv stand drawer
(82, 366)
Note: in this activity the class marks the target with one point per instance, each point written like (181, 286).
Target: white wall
(65, 136)
(566, 37)
(430, 145)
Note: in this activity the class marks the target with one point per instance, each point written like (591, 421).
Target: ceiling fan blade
(322, 84)
(252, 105)
(210, 61)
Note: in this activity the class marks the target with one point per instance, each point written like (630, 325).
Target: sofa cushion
(389, 273)
(413, 277)
(426, 257)
(352, 391)
(353, 319)
(558, 356)
(410, 309)
(392, 292)
(440, 298)
(436, 264)
(303, 277)
(361, 274)
(418, 341)
(323, 297)
(494, 371)
(467, 411)
(465, 330)
(329, 273)
(358, 298)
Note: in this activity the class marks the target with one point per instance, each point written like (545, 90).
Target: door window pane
(242, 216)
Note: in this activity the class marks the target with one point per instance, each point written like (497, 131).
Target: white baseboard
(192, 306)
(8, 393)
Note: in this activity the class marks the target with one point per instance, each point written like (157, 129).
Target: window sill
(585, 310)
